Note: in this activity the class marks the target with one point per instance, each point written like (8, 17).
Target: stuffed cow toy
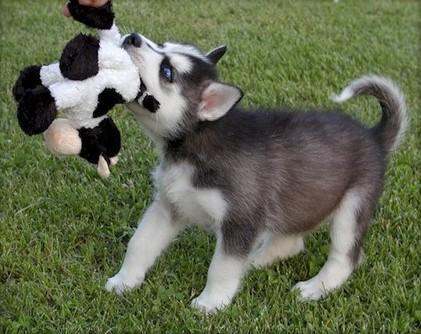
(92, 76)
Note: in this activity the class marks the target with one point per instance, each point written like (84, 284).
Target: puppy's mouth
(142, 90)
(143, 98)
(147, 100)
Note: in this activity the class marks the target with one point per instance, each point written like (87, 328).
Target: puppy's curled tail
(392, 126)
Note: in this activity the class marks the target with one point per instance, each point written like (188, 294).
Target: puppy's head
(180, 86)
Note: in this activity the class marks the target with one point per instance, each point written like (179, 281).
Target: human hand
(92, 3)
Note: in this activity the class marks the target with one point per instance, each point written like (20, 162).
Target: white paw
(119, 284)
(209, 305)
(310, 290)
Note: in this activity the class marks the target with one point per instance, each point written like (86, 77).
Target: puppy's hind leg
(350, 222)
(277, 247)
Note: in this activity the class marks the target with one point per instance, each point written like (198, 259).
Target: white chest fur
(196, 205)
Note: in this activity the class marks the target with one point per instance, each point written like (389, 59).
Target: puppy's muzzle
(133, 40)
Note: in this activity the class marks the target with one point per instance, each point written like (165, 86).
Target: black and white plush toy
(92, 76)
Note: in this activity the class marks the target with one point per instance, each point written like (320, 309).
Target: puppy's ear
(217, 99)
(216, 54)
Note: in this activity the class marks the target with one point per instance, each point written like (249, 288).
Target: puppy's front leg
(224, 278)
(154, 233)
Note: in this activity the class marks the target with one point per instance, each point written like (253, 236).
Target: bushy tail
(394, 121)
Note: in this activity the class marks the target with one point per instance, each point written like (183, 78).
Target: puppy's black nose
(133, 39)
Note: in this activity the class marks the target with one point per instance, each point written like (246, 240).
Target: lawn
(64, 230)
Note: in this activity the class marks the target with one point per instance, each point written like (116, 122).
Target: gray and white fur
(259, 179)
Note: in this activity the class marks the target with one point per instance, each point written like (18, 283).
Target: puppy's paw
(209, 305)
(120, 284)
(310, 290)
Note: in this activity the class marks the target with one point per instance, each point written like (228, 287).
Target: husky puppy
(259, 179)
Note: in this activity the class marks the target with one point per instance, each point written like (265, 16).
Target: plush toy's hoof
(104, 139)
(114, 160)
(36, 110)
(62, 138)
(29, 78)
(103, 169)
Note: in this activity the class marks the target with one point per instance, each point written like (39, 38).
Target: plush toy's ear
(216, 54)
(94, 17)
(79, 60)
(217, 100)
(36, 110)
(29, 78)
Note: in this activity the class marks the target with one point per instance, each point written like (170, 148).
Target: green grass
(64, 230)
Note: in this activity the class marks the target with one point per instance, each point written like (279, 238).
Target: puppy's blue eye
(167, 73)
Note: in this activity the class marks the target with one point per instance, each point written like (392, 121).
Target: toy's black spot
(150, 103)
(36, 110)
(79, 60)
(106, 101)
(139, 95)
(142, 90)
(99, 18)
(29, 78)
(104, 139)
